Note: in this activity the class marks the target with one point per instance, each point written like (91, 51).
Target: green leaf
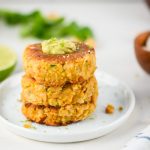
(35, 25)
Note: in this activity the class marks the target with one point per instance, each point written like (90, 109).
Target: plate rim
(112, 126)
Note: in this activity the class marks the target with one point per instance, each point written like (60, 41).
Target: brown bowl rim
(140, 41)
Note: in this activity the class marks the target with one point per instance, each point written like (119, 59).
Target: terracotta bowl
(142, 55)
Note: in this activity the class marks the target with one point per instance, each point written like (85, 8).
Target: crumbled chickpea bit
(109, 109)
(27, 125)
(120, 108)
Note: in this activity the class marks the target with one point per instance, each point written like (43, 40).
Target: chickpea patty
(38, 94)
(58, 69)
(59, 116)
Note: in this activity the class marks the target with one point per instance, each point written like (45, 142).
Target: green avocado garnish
(58, 46)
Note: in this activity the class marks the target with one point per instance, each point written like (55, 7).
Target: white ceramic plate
(98, 124)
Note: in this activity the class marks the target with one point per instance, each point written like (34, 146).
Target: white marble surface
(115, 25)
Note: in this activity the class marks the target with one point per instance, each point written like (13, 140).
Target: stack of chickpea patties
(59, 89)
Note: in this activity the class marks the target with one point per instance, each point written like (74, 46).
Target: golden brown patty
(38, 94)
(59, 116)
(56, 70)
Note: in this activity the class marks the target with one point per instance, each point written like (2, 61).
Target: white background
(116, 24)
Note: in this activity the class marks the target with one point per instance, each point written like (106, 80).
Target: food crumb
(27, 125)
(120, 108)
(109, 109)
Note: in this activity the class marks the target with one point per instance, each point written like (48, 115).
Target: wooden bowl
(142, 55)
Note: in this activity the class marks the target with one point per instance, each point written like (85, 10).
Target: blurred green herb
(36, 25)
